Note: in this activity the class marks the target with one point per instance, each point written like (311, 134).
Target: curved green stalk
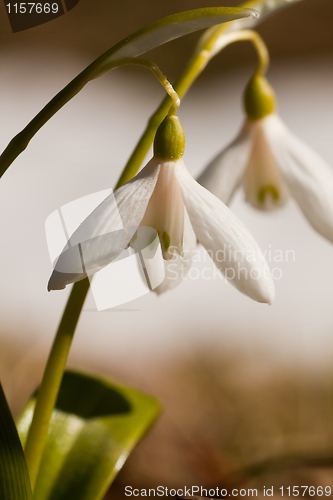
(161, 78)
(50, 385)
(148, 37)
(194, 68)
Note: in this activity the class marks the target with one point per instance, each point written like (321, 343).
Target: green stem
(19, 143)
(133, 45)
(50, 385)
(159, 75)
(194, 68)
(259, 45)
(189, 75)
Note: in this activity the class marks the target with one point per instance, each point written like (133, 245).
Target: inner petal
(165, 211)
(263, 184)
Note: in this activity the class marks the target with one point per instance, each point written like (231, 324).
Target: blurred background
(247, 389)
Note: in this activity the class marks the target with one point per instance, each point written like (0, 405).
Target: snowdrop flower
(271, 164)
(165, 197)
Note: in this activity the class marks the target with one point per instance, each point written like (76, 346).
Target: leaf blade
(171, 27)
(93, 429)
(14, 477)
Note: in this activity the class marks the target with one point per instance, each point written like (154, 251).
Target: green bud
(259, 98)
(169, 143)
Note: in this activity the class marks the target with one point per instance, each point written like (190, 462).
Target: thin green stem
(196, 65)
(259, 45)
(159, 75)
(189, 75)
(50, 385)
(19, 143)
(135, 44)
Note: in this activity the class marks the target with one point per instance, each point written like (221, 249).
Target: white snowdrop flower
(271, 164)
(165, 197)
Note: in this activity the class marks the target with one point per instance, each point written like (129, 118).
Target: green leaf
(93, 429)
(14, 478)
(168, 28)
(147, 38)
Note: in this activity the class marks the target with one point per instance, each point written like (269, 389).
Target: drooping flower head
(271, 164)
(165, 197)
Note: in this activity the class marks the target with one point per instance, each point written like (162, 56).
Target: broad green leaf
(147, 38)
(14, 478)
(93, 429)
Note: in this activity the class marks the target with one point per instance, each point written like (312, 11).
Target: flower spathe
(271, 164)
(165, 197)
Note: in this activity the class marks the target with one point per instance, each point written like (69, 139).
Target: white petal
(308, 176)
(230, 245)
(190, 239)
(106, 231)
(224, 174)
(264, 186)
(146, 243)
(165, 211)
(177, 268)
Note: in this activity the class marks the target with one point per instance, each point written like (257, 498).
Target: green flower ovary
(169, 143)
(265, 190)
(166, 241)
(259, 98)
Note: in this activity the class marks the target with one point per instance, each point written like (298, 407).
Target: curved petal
(264, 186)
(224, 173)
(165, 211)
(177, 268)
(308, 176)
(230, 245)
(106, 231)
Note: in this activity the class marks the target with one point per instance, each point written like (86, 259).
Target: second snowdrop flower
(271, 164)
